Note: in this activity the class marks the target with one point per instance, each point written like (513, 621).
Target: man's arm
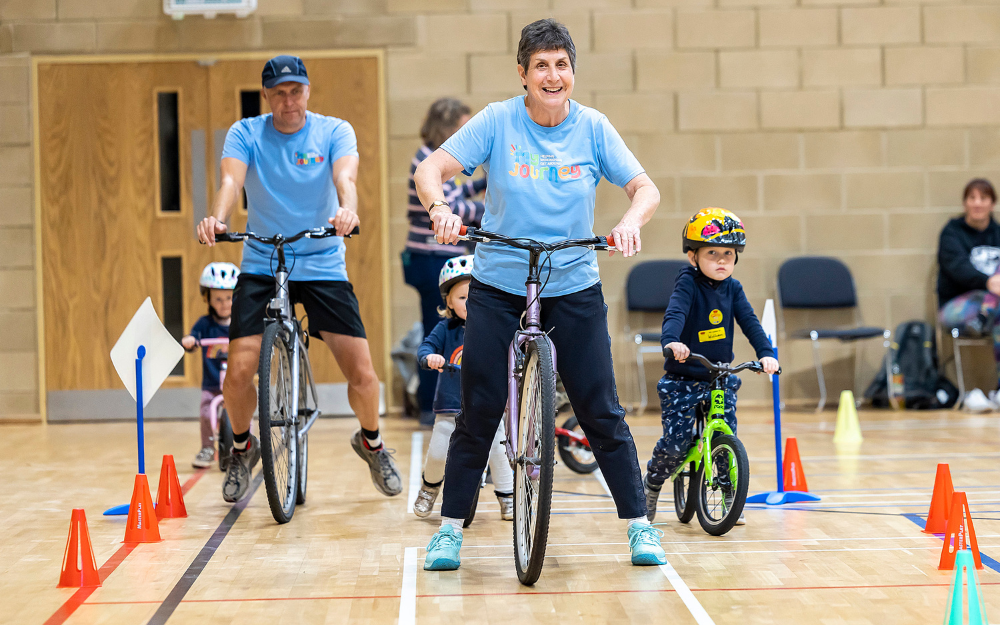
(345, 178)
(233, 172)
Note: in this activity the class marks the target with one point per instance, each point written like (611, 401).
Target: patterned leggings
(974, 314)
(679, 397)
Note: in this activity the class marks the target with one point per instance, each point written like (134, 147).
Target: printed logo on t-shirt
(308, 158)
(715, 334)
(456, 356)
(549, 167)
(985, 258)
(715, 317)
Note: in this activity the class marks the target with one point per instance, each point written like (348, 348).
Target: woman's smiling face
(548, 78)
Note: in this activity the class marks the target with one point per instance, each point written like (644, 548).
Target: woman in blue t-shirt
(543, 155)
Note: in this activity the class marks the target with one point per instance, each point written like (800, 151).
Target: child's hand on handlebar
(770, 365)
(435, 361)
(188, 342)
(681, 351)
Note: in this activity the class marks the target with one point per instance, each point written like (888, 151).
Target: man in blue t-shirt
(300, 171)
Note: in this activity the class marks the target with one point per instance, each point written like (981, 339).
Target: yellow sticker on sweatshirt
(715, 334)
(715, 317)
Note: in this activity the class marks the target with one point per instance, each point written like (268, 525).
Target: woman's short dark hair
(442, 121)
(984, 186)
(545, 35)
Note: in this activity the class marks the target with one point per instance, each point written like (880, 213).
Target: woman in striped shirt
(423, 256)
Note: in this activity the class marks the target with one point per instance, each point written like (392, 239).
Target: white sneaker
(742, 520)
(976, 401)
(506, 507)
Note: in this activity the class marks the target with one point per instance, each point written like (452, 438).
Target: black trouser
(579, 330)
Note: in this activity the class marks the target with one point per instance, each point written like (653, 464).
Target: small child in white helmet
(217, 283)
(444, 346)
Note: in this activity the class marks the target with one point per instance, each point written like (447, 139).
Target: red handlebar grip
(611, 240)
(462, 230)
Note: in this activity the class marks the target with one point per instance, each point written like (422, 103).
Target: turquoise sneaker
(644, 541)
(442, 551)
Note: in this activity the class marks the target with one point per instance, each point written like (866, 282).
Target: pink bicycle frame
(213, 410)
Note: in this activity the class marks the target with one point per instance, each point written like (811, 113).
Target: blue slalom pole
(776, 399)
(140, 354)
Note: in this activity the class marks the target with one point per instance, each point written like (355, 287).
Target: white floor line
(604, 483)
(731, 552)
(416, 468)
(692, 603)
(408, 594)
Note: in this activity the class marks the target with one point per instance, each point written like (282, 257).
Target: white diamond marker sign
(162, 352)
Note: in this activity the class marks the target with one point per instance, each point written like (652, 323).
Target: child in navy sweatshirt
(705, 303)
(443, 346)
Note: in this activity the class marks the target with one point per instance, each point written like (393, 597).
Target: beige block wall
(845, 129)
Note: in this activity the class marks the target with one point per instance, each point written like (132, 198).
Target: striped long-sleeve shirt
(421, 237)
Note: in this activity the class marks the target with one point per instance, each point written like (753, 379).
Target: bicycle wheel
(686, 493)
(304, 382)
(578, 457)
(278, 436)
(534, 462)
(225, 441)
(721, 502)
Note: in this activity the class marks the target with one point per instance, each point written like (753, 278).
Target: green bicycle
(714, 478)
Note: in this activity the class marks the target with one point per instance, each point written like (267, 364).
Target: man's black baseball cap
(284, 68)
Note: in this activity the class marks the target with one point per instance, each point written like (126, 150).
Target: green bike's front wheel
(721, 501)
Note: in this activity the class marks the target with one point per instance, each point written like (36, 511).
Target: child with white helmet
(217, 283)
(443, 346)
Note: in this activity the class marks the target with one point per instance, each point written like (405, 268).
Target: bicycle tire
(225, 441)
(536, 435)
(712, 497)
(686, 493)
(579, 458)
(300, 493)
(279, 455)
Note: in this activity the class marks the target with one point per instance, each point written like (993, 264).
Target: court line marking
(190, 576)
(727, 542)
(416, 454)
(730, 552)
(408, 594)
(693, 605)
(80, 596)
(604, 482)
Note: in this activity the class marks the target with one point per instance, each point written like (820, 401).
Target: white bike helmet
(219, 276)
(454, 270)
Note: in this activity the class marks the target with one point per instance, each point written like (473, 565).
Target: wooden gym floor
(351, 555)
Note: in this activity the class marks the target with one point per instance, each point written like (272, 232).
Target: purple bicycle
(531, 410)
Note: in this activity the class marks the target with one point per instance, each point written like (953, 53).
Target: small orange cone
(937, 515)
(79, 568)
(959, 534)
(795, 477)
(169, 498)
(141, 526)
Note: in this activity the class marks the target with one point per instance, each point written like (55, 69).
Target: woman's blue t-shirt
(542, 184)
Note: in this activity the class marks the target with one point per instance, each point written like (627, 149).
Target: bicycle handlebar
(446, 367)
(312, 233)
(477, 235)
(721, 367)
(215, 341)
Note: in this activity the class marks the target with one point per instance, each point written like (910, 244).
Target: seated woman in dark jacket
(968, 284)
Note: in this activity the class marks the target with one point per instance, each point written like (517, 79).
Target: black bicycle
(288, 405)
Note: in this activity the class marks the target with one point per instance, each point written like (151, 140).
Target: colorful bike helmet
(454, 270)
(219, 276)
(714, 227)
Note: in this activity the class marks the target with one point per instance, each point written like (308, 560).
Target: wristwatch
(437, 203)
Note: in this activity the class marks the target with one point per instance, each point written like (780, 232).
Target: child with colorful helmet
(218, 280)
(703, 306)
(443, 346)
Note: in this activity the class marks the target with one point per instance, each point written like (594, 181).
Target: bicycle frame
(700, 454)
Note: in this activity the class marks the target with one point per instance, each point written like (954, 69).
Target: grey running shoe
(652, 496)
(240, 471)
(204, 458)
(742, 520)
(385, 475)
(506, 507)
(424, 504)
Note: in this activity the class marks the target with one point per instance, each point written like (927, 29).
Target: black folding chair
(823, 283)
(648, 290)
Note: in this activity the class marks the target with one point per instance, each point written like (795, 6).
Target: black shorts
(330, 305)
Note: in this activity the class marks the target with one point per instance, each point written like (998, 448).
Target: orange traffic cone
(141, 526)
(959, 534)
(937, 516)
(795, 477)
(169, 498)
(79, 568)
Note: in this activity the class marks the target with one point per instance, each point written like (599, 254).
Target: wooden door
(347, 88)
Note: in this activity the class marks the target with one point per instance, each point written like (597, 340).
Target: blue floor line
(987, 561)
